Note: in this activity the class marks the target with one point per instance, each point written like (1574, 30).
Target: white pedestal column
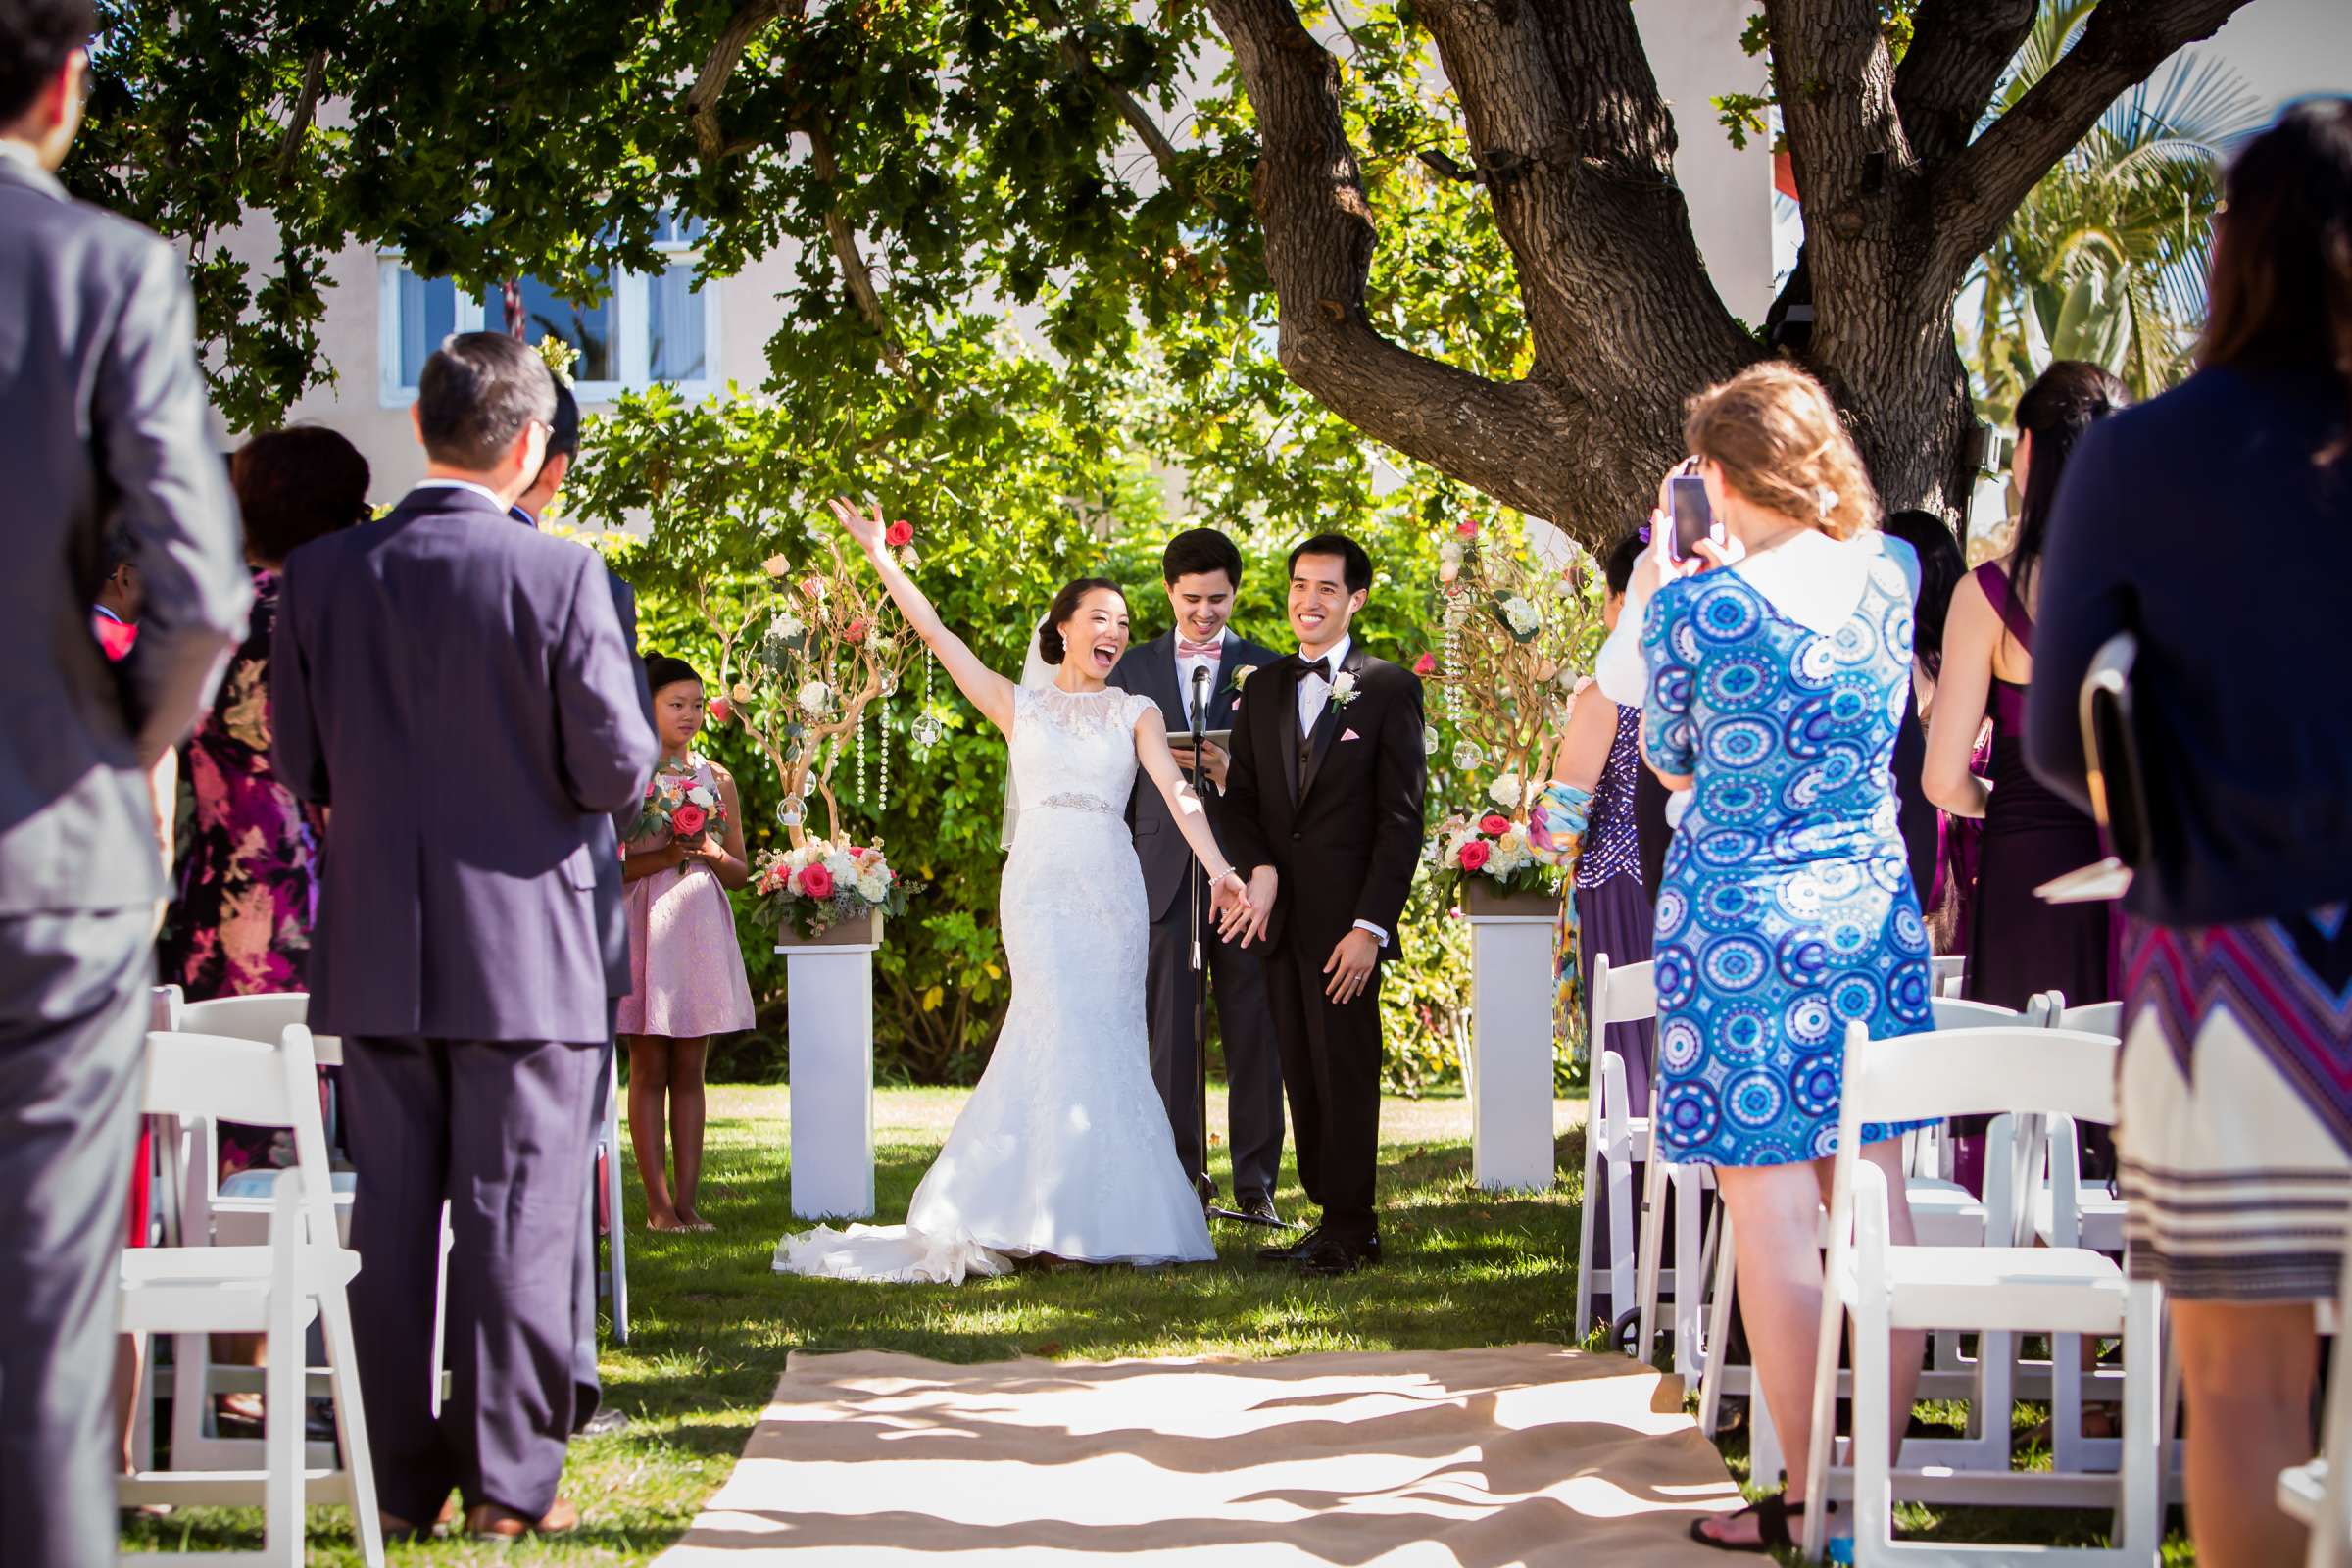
(1511, 1051)
(831, 1003)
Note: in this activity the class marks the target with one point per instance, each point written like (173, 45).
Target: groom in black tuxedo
(1203, 570)
(1323, 810)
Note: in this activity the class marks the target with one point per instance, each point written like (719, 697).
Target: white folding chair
(1883, 1287)
(1615, 1139)
(274, 1289)
(2320, 1493)
(616, 1261)
(1947, 974)
(238, 1214)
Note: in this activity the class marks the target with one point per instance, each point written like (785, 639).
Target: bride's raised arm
(1152, 751)
(988, 691)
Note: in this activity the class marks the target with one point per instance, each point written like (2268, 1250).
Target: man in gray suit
(563, 446)
(102, 427)
(457, 691)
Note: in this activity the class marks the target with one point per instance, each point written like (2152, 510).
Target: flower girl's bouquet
(680, 805)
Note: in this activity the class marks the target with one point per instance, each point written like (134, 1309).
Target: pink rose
(1493, 824)
(721, 710)
(813, 587)
(1426, 665)
(1476, 854)
(687, 820)
(854, 631)
(1467, 529)
(900, 535)
(817, 883)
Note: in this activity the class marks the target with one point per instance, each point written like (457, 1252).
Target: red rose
(687, 820)
(1426, 665)
(1476, 854)
(721, 710)
(816, 882)
(1467, 529)
(1493, 824)
(854, 631)
(900, 535)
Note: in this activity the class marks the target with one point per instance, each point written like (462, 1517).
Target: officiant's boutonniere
(1342, 688)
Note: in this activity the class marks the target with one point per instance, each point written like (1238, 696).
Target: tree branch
(306, 106)
(701, 99)
(853, 270)
(1139, 120)
(1505, 438)
(2121, 44)
(1960, 49)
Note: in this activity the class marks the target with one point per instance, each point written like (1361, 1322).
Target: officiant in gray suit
(1202, 654)
(102, 435)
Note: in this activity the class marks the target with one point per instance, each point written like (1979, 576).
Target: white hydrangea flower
(1524, 618)
(703, 796)
(844, 869)
(1507, 792)
(1451, 553)
(873, 884)
(814, 697)
(787, 626)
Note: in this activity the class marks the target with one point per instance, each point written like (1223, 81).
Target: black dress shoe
(1330, 1256)
(1289, 1251)
(1258, 1206)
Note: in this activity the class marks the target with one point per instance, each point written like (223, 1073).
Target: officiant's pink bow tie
(1186, 648)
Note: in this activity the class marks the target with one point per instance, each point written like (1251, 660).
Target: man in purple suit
(457, 693)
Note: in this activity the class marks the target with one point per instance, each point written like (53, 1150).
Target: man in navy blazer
(1202, 572)
(456, 693)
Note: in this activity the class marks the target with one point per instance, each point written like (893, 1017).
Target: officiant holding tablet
(1203, 660)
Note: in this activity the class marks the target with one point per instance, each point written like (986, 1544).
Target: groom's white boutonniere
(1342, 688)
(1241, 678)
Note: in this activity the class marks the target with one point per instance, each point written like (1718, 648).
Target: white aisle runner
(1525, 1454)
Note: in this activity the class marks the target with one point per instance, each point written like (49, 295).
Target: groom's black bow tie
(1315, 666)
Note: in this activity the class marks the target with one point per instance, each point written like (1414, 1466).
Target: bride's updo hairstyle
(1781, 445)
(1065, 605)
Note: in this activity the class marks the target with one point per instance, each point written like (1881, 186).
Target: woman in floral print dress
(241, 924)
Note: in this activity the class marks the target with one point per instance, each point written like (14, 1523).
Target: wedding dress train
(1065, 1147)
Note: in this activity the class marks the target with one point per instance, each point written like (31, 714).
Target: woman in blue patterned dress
(1777, 682)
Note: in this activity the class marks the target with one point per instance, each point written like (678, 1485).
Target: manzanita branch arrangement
(804, 663)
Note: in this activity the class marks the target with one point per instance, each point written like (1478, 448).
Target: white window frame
(630, 313)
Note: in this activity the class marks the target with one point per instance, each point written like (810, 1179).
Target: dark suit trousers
(1331, 1069)
(588, 1388)
(501, 1129)
(1253, 1059)
(74, 1009)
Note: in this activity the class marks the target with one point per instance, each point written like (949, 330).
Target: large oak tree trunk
(1899, 201)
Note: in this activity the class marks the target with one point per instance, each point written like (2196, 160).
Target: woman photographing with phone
(1778, 650)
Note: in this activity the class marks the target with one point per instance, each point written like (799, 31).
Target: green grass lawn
(711, 1323)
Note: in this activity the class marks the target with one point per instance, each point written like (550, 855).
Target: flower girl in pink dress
(686, 969)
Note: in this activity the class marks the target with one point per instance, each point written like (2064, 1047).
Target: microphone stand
(1200, 967)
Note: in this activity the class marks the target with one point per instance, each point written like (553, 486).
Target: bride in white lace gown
(1063, 1149)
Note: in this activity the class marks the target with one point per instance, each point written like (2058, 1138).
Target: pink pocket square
(1350, 735)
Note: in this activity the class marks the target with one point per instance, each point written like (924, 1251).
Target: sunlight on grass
(711, 1324)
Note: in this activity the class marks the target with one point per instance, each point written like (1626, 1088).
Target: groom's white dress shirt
(1314, 694)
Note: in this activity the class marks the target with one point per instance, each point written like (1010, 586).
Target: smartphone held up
(1691, 517)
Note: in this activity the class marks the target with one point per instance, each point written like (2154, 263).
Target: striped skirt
(2234, 1140)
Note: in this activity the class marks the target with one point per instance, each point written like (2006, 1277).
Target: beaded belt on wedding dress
(1082, 802)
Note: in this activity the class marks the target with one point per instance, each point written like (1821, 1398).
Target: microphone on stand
(1199, 729)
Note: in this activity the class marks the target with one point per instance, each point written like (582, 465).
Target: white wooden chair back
(259, 1083)
(1622, 993)
(262, 1017)
(1951, 1013)
(1947, 973)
